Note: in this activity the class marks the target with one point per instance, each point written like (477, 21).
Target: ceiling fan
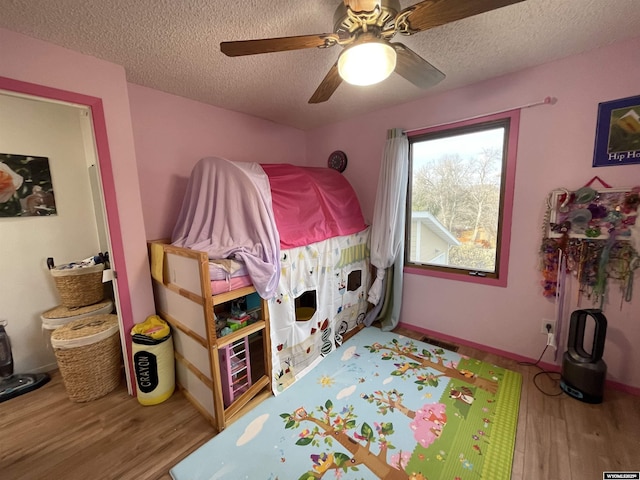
(364, 29)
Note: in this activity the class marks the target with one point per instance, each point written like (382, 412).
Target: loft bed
(292, 243)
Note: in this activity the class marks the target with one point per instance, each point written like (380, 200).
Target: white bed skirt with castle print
(320, 297)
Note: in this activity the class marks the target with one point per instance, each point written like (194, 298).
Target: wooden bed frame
(182, 291)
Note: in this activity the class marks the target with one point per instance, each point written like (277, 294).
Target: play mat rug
(381, 406)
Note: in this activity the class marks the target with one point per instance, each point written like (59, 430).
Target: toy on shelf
(236, 318)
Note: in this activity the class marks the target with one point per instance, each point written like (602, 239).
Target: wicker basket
(89, 356)
(61, 315)
(79, 287)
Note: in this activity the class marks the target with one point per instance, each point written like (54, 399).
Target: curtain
(387, 231)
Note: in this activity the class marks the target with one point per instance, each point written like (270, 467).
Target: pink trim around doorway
(108, 186)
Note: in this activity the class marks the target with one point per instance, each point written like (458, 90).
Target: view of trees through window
(455, 187)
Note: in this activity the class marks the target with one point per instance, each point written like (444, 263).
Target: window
(306, 306)
(354, 280)
(460, 199)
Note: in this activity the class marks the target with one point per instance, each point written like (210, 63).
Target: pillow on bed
(225, 269)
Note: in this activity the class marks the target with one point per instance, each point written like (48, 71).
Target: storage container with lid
(89, 356)
(61, 315)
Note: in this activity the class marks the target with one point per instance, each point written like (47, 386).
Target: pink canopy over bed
(312, 204)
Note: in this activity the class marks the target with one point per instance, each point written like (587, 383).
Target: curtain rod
(546, 101)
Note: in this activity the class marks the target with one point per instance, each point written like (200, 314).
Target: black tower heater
(583, 373)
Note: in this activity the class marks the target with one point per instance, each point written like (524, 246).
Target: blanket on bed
(227, 213)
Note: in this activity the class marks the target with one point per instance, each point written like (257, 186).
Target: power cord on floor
(543, 372)
(556, 379)
(534, 364)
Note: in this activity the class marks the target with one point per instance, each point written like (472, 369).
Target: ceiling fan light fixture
(367, 63)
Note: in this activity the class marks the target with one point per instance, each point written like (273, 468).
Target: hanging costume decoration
(595, 236)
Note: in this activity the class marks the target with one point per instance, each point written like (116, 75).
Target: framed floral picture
(26, 189)
(618, 133)
(588, 213)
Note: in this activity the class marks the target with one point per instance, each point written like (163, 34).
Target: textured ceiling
(173, 46)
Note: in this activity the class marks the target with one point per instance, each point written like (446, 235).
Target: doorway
(80, 228)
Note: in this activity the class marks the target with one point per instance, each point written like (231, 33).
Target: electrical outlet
(543, 326)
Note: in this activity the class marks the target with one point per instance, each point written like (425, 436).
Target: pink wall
(25, 59)
(172, 133)
(555, 150)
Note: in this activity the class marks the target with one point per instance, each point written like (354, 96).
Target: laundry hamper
(58, 316)
(89, 356)
(80, 286)
(61, 315)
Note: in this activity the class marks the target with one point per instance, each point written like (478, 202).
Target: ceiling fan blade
(432, 13)
(328, 85)
(414, 68)
(282, 44)
(363, 5)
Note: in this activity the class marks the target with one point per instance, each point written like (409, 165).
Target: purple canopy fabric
(227, 213)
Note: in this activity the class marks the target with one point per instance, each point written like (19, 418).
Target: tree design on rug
(423, 360)
(427, 422)
(331, 426)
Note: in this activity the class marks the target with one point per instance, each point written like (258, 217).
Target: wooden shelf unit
(182, 291)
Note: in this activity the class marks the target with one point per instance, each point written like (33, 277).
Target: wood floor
(43, 435)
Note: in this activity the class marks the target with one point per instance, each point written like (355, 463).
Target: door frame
(116, 255)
